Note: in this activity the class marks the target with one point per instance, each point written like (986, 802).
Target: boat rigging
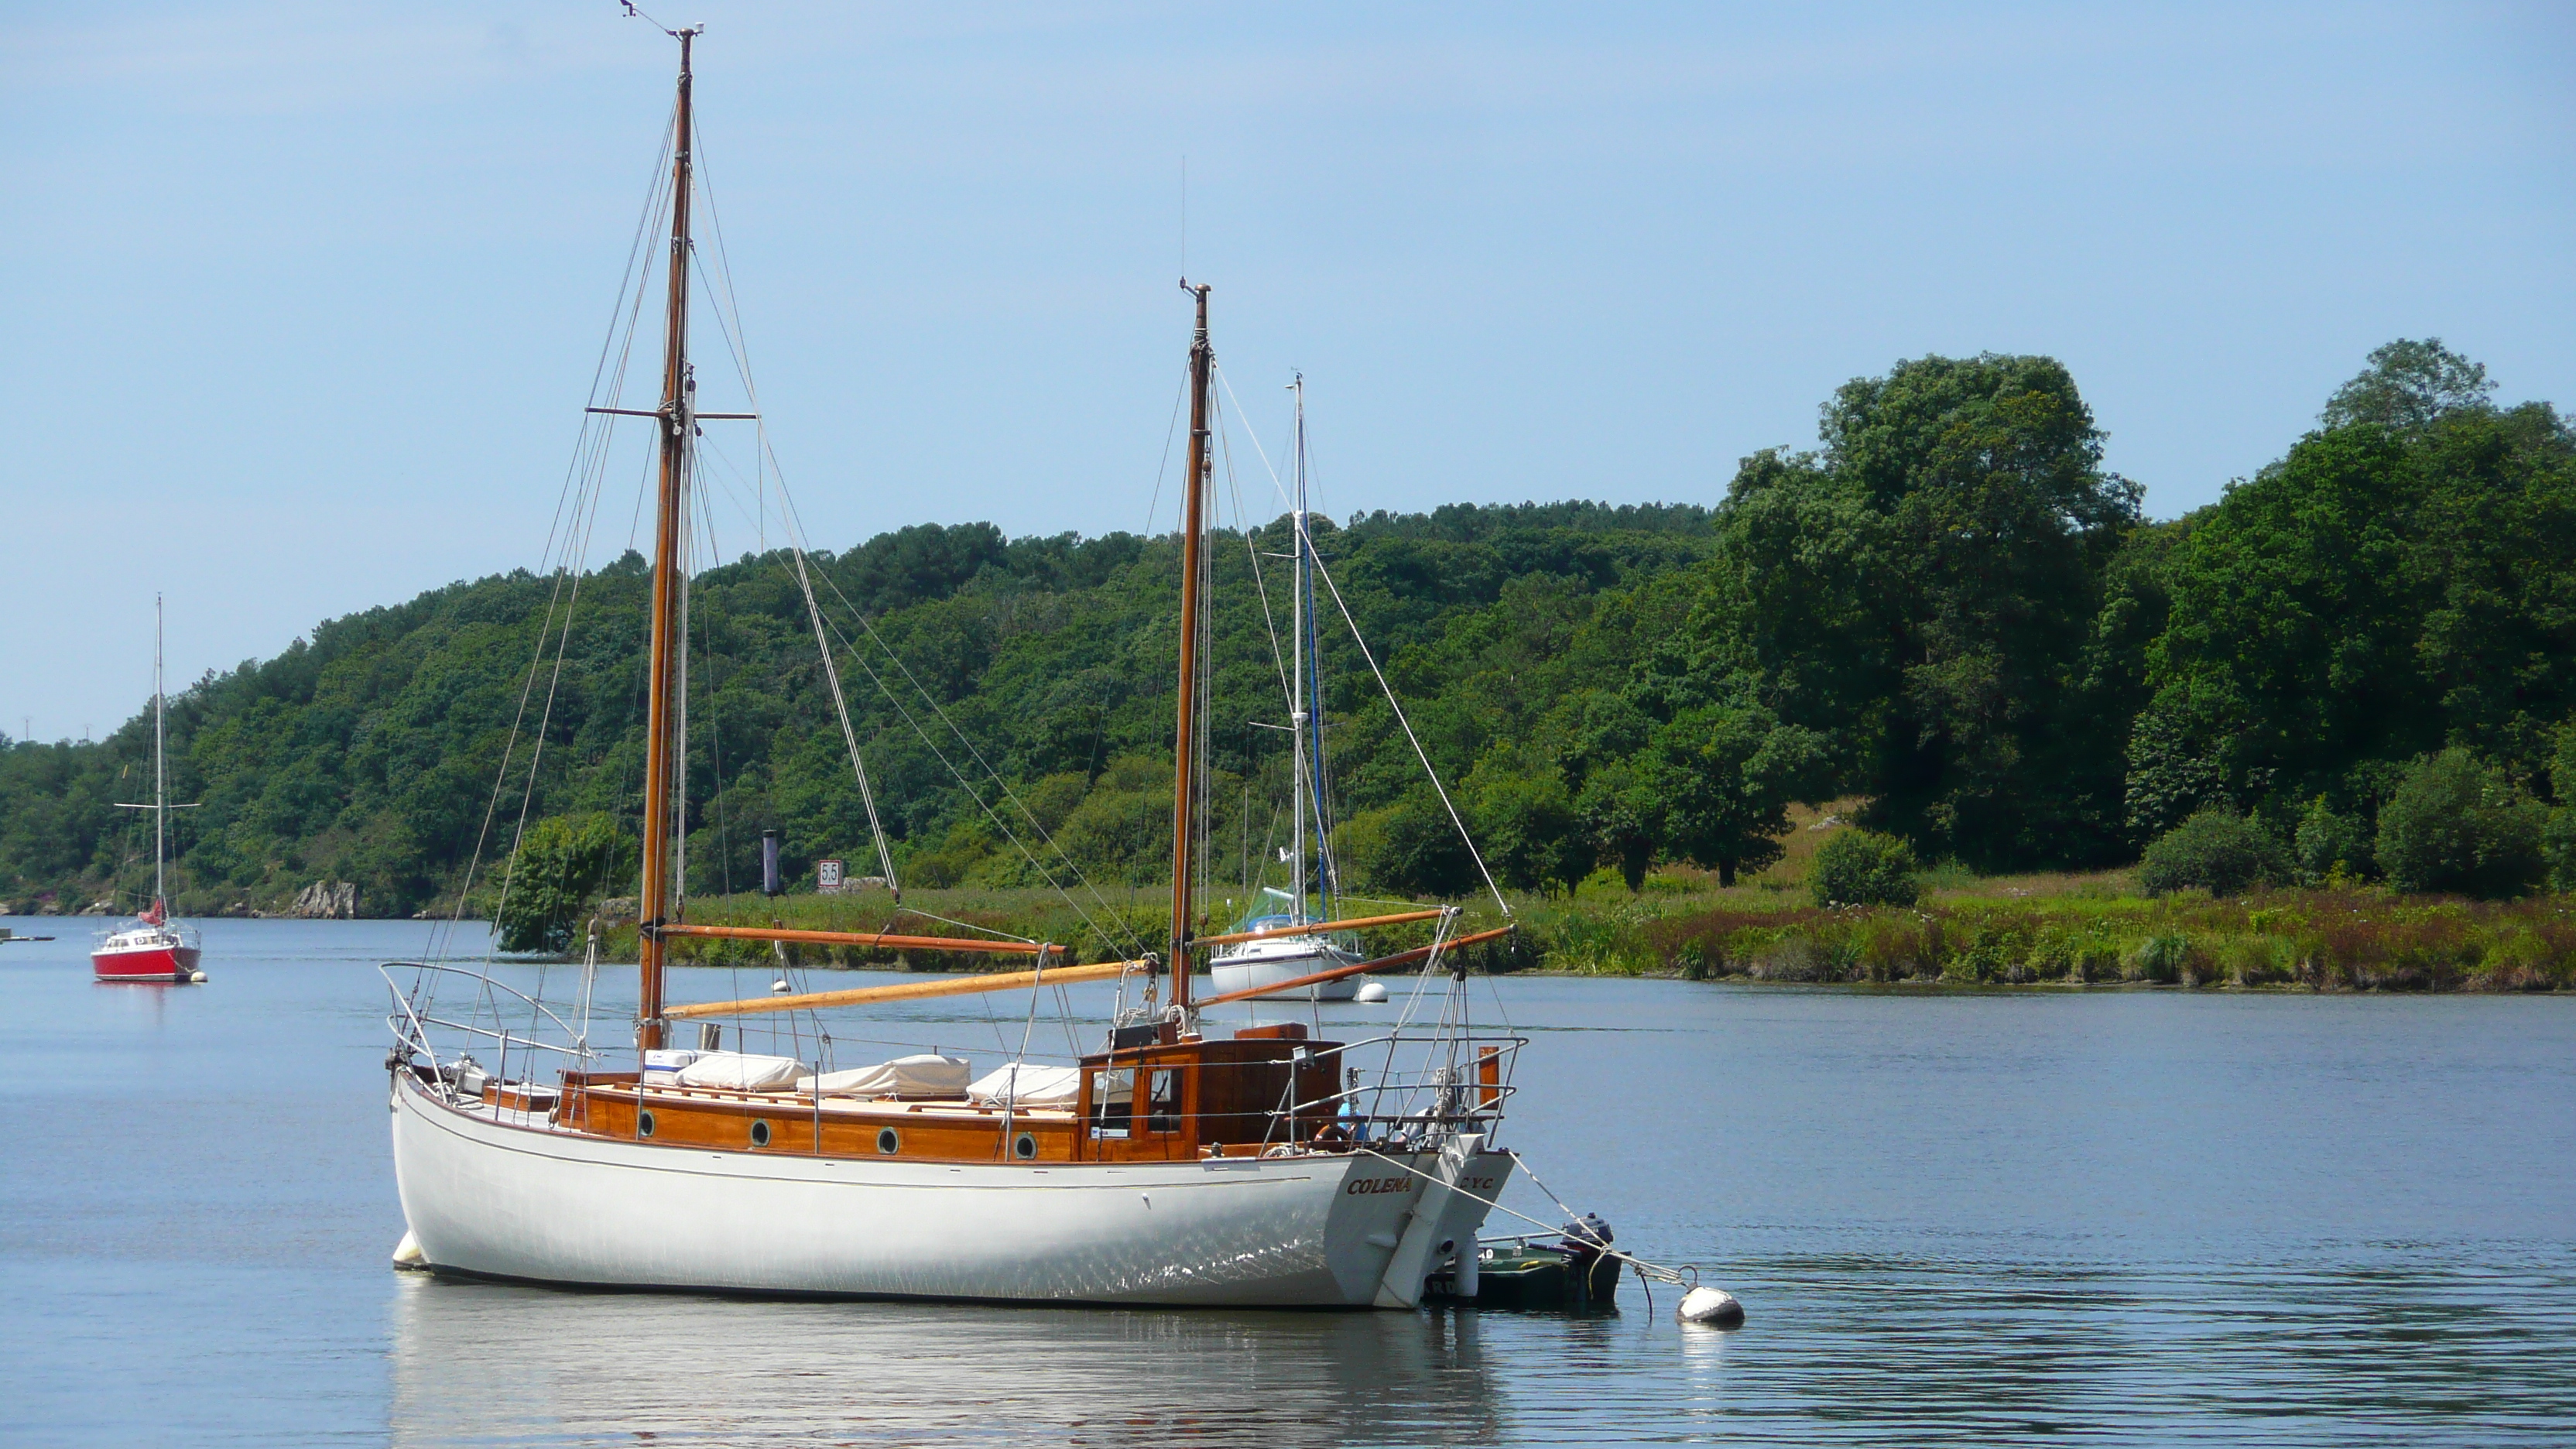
(1171, 1164)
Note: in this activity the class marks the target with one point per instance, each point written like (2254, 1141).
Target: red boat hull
(151, 963)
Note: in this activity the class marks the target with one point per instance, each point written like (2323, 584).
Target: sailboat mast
(660, 754)
(1185, 737)
(160, 773)
(1297, 691)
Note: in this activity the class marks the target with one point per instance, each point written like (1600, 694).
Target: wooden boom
(1356, 923)
(907, 991)
(862, 938)
(1400, 958)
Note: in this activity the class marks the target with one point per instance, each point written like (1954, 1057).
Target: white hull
(1267, 963)
(493, 1194)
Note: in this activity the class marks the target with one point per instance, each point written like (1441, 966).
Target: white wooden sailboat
(1172, 1165)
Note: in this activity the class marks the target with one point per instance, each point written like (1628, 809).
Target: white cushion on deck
(1039, 1086)
(741, 1072)
(926, 1075)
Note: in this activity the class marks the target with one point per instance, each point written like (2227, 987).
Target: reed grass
(2086, 932)
(2050, 929)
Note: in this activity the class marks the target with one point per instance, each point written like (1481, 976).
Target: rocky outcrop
(618, 910)
(327, 900)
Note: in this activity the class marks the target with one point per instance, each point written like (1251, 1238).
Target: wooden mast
(660, 755)
(1185, 735)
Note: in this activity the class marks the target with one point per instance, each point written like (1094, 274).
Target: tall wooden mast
(661, 752)
(1185, 736)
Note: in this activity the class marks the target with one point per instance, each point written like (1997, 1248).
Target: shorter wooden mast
(1185, 731)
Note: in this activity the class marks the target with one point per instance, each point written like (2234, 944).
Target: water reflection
(482, 1364)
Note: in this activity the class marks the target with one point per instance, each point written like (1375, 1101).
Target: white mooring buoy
(1713, 1306)
(1371, 992)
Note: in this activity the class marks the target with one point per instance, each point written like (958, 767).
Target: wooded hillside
(1947, 607)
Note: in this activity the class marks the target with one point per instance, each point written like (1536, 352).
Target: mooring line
(1644, 1268)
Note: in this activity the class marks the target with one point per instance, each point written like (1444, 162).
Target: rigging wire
(581, 475)
(1134, 945)
(728, 312)
(1306, 542)
(1170, 430)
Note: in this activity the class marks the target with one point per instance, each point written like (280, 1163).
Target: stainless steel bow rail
(415, 1013)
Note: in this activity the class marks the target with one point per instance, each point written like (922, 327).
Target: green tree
(2558, 838)
(562, 865)
(2331, 844)
(1526, 823)
(1924, 590)
(2409, 384)
(1410, 848)
(1622, 814)
(2457, 823)
(1726, 777)
(2378, 594)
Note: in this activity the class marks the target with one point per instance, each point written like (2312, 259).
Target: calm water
(2138, 1218)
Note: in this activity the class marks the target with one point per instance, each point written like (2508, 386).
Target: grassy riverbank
(2004, 930)
(2083, 930)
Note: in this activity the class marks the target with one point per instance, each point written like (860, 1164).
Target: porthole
(889, 1141)
(643, 1124)
(760, 1134)
(1024, 1146)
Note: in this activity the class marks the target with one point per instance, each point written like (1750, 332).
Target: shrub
(2216, 849)
(2457, 824)
(1863, 868)
(562, 864)
(2160, 958)
(2253, 961)
(2558, 847)
(1892, 948)
(1409, 848)
(2330, 845)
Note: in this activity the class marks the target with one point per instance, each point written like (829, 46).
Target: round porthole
(1024, 1146)
(889, 1141)
(643, 1124)
(760, 1134)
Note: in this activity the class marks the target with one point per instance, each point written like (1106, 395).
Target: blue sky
(302, 300)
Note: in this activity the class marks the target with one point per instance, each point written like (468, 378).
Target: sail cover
(925, 1075)
(741, 1072)
(1038, 1085)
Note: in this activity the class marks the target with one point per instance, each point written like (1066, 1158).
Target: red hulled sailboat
(150, 948)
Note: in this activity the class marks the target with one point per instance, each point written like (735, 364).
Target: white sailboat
(1169, 1166)
(1265, 966)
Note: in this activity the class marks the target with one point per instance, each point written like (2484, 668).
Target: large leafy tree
(2403, 581)
(1923, 592)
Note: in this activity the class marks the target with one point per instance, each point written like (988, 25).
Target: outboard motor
(1595, 1275)
(1588, 1232)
